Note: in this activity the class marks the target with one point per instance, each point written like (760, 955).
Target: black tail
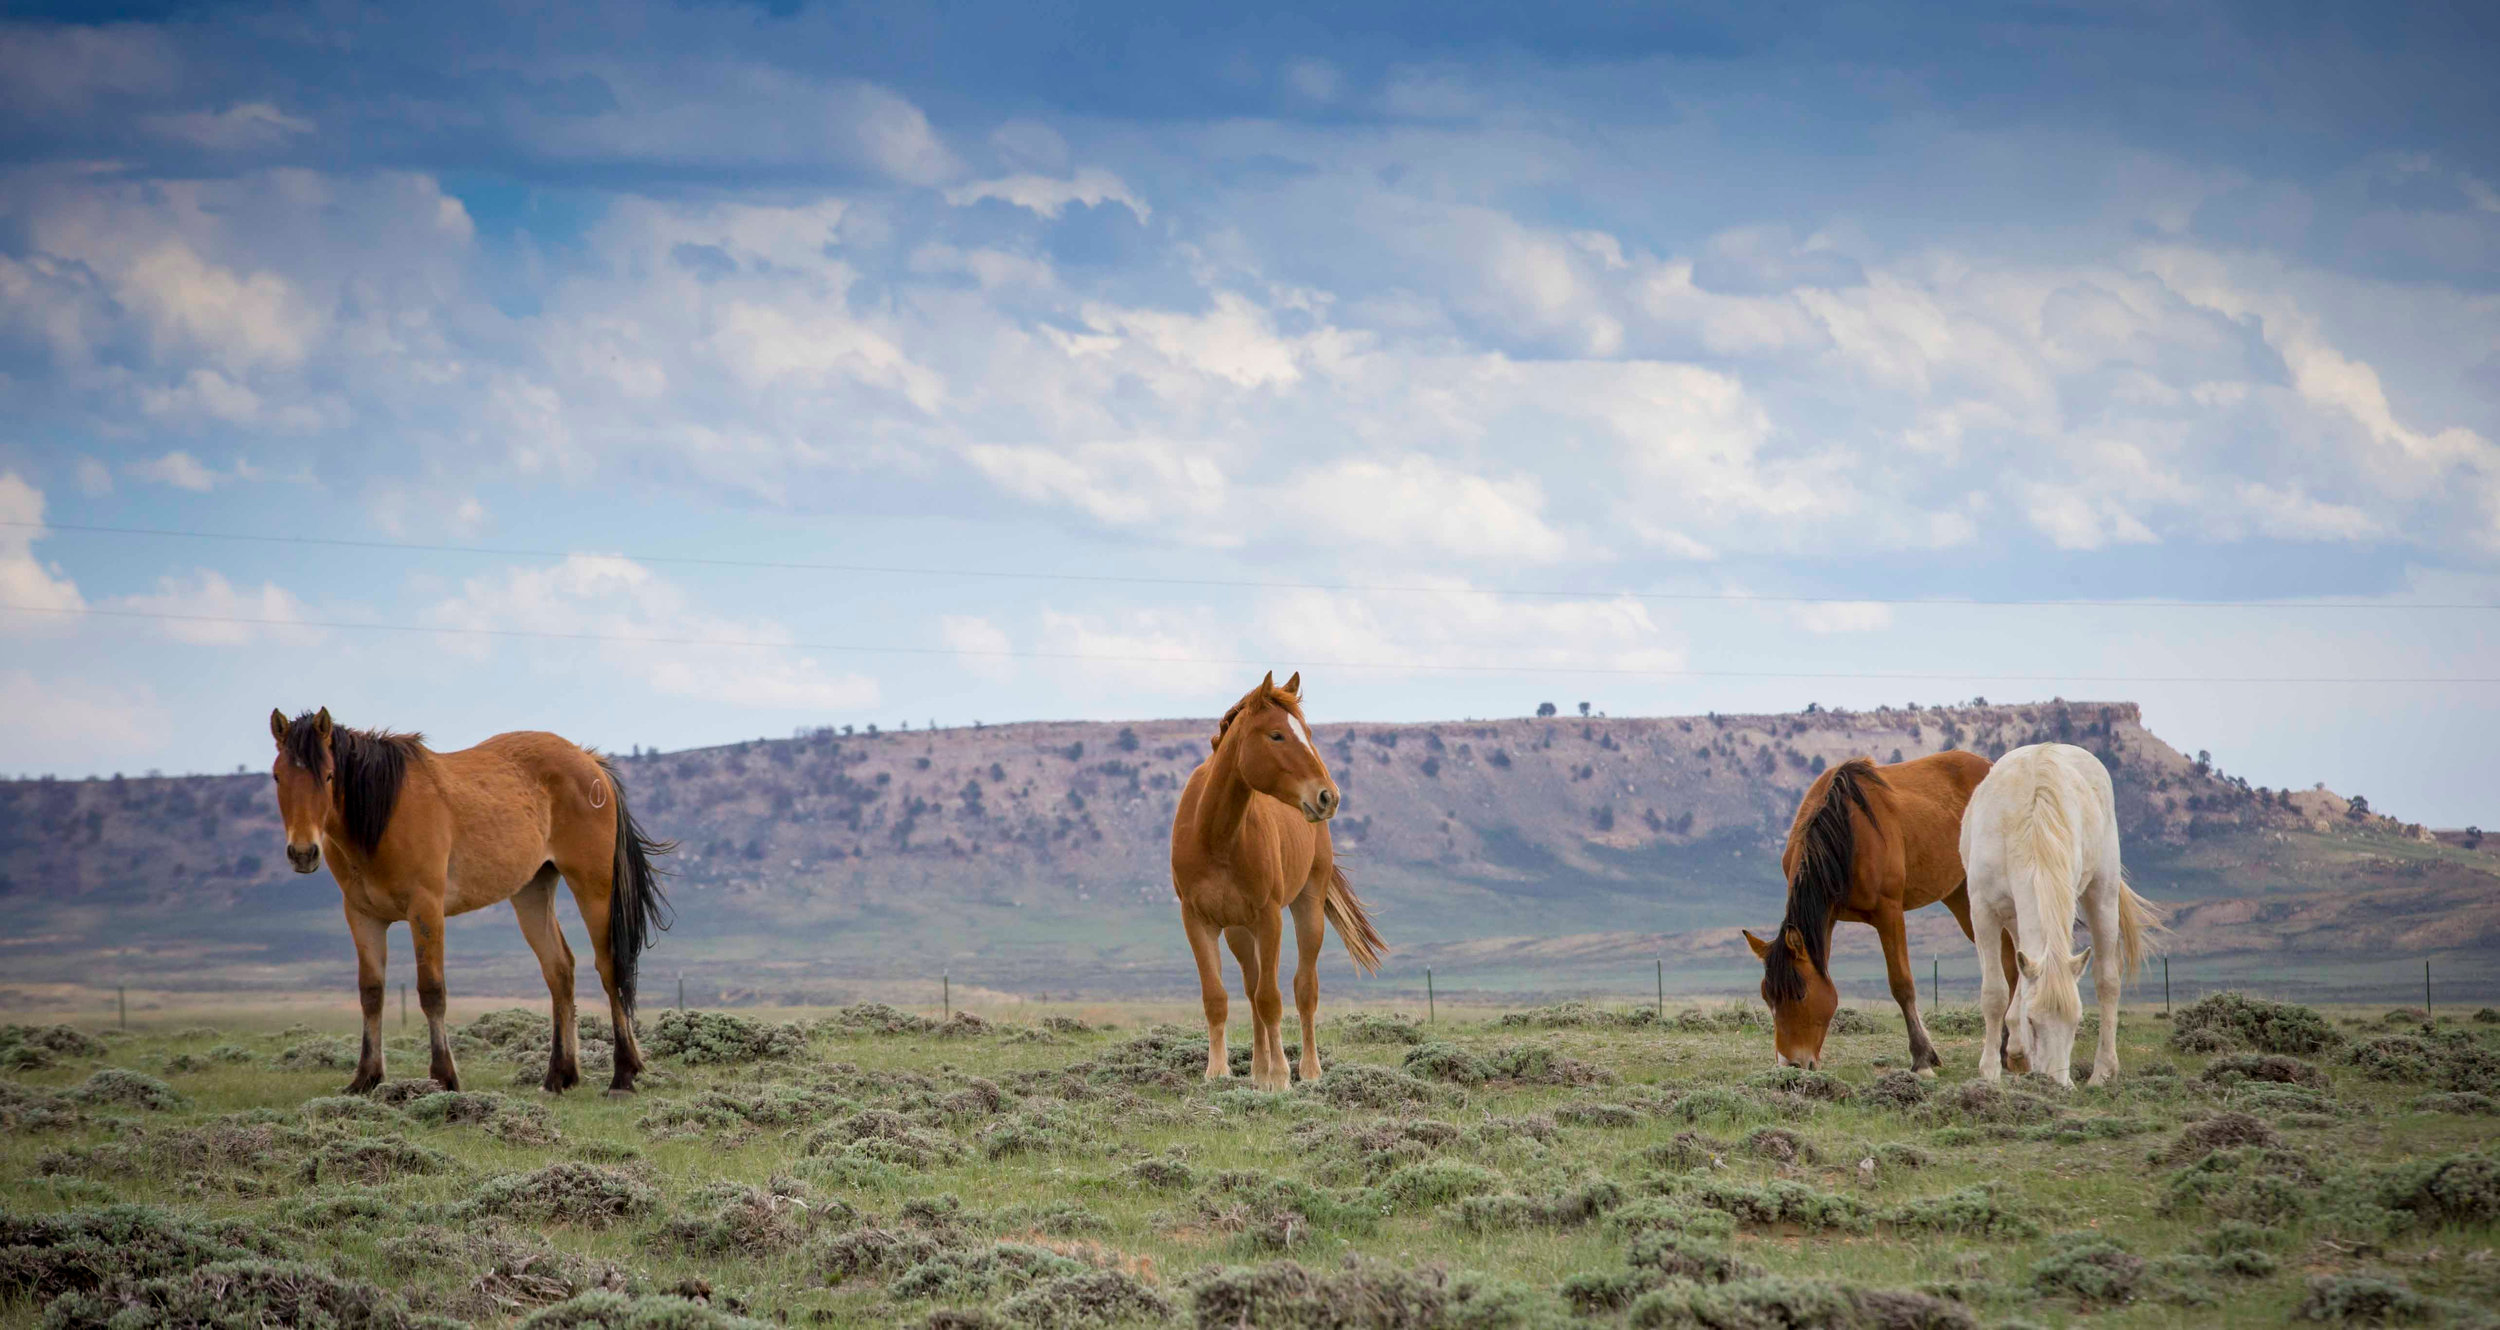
(1826, 848)
(635, 905)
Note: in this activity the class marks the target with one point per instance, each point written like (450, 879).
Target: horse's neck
(1224, 807)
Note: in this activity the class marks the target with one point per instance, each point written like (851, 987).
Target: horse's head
(1801, 997)
(304, 772)
(1273, 752)
(2050, 1010)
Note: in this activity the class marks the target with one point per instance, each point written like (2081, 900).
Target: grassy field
(2255, 1165)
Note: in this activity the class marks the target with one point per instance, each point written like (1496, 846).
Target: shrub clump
(504, 1117)
(50, 1042)
(374, 1159)
(1362, 1085)
(2361, 1299)
(1979, 1211)
(1080, 1302)
(2464, 1103)
(1437, 1182)
(566, 1193)
(336, 1053)
(2254, 1183)
(233, 1293)
(1579, 1015)
(2094, 1273)
(1775, 1302)
(2273, 1067)
(608, 1310)
(1817, 1085)
(717, 1036)
(2235, 1020)
(44, 1256)
(1161, 1174)
(979, 1272)
(1569, 1208)
(2452, 1189)
(1365, 1027)
(119, 1087)
(1781, 1146)
(2222, 1131)
(887, 1137)
(1782, 1202)
(1441, 1061)
(876, 1018)
(745, 1219)
(1897, 1089)
(1285, 1295)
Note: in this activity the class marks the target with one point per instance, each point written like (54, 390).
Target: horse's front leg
(425, 927)
(1994, 993)
(2108, 953)
(373, 939)
(1895, 933)
(1210, 991)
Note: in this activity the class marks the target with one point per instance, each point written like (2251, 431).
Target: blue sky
(1318, 336)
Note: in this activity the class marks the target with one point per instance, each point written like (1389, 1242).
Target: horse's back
(2052, 790)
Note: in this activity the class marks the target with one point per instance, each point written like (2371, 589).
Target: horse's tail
(635, 905)
(1354, 924)
(2139, 927)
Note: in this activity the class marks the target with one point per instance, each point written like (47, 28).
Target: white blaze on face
(1302, 732)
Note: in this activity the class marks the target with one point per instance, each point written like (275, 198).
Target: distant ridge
(1030, 857)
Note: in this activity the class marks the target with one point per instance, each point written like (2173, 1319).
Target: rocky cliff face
(1041, 847)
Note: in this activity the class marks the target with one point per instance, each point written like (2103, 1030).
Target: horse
(2039, 839)
(1250, 841)
(1869, 844)
(412, 834)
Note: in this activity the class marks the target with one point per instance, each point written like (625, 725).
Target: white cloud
(606, 597)
(1174, 653)
(178, 469)
(1458, 626)
(1314, 79)
(241, 126)
(982, 644)
(47, 724)
(27, 582)
(205, 609)
(1130, 484)
(1048, 197)
(1856, 616)
(1415, 504)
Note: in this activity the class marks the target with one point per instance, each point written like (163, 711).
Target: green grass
(1056, 1177)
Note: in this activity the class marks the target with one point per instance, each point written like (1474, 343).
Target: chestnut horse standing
(412, 834)
(1250, 841)
(1869, 844)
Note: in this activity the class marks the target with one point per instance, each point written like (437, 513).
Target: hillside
(1544, 854)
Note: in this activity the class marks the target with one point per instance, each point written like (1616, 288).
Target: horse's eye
(1276, 736)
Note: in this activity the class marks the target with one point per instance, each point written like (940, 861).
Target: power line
(528, 634)
(1128, 579)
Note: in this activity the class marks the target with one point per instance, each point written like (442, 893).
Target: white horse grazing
(2039, 838)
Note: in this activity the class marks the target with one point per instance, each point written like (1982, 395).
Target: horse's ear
(277, 725)
(2082, 961)
(323, 722)
(1761, 949)
(2030, 967)
(1268, 684)
(1294, 684)
(1796, 945)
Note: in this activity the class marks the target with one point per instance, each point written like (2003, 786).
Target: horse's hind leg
(535, 906)
(1210, 991)
(425, 928)
(592, 896)
(1310, 932)
(372, 938)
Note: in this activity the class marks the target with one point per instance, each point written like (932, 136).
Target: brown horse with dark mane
(414, 835)
(1249, 842)
(1869, 844)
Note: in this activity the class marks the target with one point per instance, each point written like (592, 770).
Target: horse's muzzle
(1321, 806)
(306, 858)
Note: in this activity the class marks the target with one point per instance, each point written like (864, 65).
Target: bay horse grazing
(1869, 844)
(2041, 839)
(1249, 842)
(415, 835)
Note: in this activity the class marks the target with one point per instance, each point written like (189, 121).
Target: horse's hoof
(621, 1092)
(1928, 1072)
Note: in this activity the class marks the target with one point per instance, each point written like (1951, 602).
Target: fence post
(2165, 985)
(681, 990)
(2426, 990)
(946, 993)
(403, 1007)
(1662, 988)
(1428, 1008)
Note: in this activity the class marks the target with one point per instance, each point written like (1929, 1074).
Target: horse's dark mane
(367, 768)
(1826, 847)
